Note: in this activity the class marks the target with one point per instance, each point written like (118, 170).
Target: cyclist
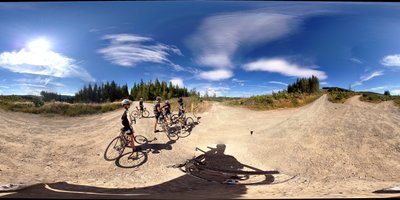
(181, 113)
(167, 109)
(141, 106)
(181, 107)
(127, 123)
(157, 112)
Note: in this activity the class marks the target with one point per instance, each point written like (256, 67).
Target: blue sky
(227, 48)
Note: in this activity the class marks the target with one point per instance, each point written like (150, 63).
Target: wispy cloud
(376, 88)
(281, 66)
(128, 50)
(367, 77)
(46, 63)
(215, 75)
(356, 60)
(238, 81)
(395, 92)
(220, 37)
(324, 83)
(391, 61)
(278, 82)
(44, 81)
(177, 81)
(5, 87)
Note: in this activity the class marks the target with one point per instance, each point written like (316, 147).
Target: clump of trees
(150, 90)
(304, 85)
(106, 92)
(109, 92)
(49, 96)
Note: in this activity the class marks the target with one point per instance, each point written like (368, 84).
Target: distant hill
(336, 89)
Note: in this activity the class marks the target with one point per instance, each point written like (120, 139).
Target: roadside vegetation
(302, 92)
(338, 95)
(105, 97)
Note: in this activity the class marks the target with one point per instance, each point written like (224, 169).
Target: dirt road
(333, 150)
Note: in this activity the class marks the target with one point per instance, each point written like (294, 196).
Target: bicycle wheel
(189, 122)
(131, 159)
(140, 139)
(114, 149)
(174, 118)
(146, 113)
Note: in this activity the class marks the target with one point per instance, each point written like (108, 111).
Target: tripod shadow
(217, 161)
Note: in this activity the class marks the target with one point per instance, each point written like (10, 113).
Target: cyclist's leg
(131, 139)
(156, 122)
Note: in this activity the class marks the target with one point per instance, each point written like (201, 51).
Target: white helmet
(166, 101)
(125, 102)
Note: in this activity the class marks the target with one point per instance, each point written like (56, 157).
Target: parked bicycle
(137, 113)
(171, 129)
(117, 145)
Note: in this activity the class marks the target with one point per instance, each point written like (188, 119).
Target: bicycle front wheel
(140, 139)
(114, 149)
(146, 113)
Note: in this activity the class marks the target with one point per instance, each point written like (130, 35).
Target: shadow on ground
(184, 187)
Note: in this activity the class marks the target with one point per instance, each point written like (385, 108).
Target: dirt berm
(334, 150)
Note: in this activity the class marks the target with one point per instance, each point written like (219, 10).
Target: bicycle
(138, 113)
(169, 128)
(118, 144)
(186, 122)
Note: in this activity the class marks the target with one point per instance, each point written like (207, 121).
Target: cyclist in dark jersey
(181, 107)
(141, 107)
(181, 112)
(157, 112)
(167, 109)
(127, 123)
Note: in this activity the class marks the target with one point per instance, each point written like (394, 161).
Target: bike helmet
(180, 99)
(158, 99)
(125, 102)
(141, 98)
(166, 101)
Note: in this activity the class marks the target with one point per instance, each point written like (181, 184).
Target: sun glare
(39, 45)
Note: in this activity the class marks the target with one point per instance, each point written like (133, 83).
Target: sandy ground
(333, 150)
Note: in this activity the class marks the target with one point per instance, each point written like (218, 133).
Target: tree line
(109, 92)
(106, 92)
(150, 90)
(304, 85)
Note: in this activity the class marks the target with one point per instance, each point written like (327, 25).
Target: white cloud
(395, 92)
(376, 88)
(177, 81)
(391, 60)
(220, 36)
(324, 83)
(215, 75)
(128, 50)
(278, 82)
(283, 67)
(5, 87)
(47, 63)
(367, 77)
(356, 60)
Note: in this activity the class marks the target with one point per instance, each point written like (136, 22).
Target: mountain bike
(138, 113)
(117, 145)
(187, 123)
(169, 128)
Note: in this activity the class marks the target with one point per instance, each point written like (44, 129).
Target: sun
(39, 45)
